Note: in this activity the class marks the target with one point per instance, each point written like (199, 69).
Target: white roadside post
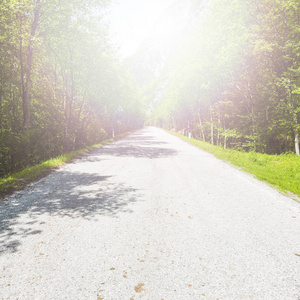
(113, 133)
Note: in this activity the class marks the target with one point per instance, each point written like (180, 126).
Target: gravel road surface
(149, 217)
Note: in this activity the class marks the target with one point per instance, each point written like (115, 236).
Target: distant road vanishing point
(149, 217)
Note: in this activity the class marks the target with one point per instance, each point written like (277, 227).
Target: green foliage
(56, 62)
(236, 77)
(19, 180)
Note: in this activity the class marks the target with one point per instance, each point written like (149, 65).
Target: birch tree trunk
(295, 119)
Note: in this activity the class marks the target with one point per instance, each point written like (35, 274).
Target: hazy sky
(132, 20)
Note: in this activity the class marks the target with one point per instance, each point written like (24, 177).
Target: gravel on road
(149, 217)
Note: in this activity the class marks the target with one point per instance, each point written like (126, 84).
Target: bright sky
(132, 20)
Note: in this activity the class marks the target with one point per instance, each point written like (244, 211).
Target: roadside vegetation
(282, 171)
(17, 181)
(62, 84)
(236, 79)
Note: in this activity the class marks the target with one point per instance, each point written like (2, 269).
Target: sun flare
(132, 22)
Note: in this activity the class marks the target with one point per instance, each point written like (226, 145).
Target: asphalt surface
(149, 217)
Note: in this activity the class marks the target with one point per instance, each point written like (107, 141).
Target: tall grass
(282, 171)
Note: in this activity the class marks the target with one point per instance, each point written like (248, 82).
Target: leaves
(75, 83)
(245, 52)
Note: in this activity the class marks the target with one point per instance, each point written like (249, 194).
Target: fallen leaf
(139, 288)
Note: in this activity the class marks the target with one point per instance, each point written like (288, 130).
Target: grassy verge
(281, 171)
(19, 180)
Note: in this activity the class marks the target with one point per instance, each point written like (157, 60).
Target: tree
(239, 71)
(60, 81)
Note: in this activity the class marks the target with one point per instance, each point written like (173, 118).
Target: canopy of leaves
(235, 80)
(57, 62)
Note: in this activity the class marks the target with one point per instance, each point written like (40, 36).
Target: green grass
(19, 180)
(281, 171)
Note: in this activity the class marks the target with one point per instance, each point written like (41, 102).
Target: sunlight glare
(133, 21)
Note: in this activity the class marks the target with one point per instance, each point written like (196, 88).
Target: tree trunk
(297, 150)
(219, 127)
(295, 119)
(174, 124)
(253, 126)
(211, 126)
(68, 111)
(290, 95)
(201, 127)
(253, 116)
(26, 72)
(225, 136)
(66, 127)
(13, 146)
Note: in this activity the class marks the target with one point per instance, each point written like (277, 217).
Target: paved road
(149, 217)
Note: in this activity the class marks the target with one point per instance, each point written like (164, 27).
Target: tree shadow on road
(63, 194)
(139, 152)
(139, 146)
(142, 139)
(69, 194)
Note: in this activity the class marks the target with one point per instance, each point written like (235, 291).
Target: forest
(62, 85)
(236, 78)
(234, 81)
